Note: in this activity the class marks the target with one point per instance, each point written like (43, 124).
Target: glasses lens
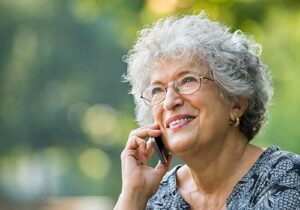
(188, 84)
(154, 94)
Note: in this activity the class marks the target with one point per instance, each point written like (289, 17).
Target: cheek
(212, 110)
(217, 117)
(157, 114)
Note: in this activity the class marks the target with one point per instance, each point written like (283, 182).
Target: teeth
(175, 122)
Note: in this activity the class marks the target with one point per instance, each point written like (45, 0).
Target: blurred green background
(65, 115)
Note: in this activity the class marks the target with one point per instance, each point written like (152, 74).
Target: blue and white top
(273, 182)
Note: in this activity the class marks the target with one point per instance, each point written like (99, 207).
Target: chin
(179, 144)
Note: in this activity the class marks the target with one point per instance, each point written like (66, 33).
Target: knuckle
(131, 139)
(132, 133)
(123, 154)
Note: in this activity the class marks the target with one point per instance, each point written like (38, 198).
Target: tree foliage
(64, 112)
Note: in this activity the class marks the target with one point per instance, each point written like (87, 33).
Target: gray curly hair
(232, 59)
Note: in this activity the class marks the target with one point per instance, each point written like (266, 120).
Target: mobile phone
(160, 149)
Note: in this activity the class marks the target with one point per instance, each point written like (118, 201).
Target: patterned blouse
(273, 182)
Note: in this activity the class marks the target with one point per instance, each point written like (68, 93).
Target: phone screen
(160, 149)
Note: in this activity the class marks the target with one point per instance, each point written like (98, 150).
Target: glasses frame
(176, 89)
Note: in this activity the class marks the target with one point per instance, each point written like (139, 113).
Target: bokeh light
(64, 114)
(27, 175)
(162, 6)
(94, 163)
(99, 121)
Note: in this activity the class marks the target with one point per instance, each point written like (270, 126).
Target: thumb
(162, 169)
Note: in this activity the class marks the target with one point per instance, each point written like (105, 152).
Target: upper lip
(176, 117)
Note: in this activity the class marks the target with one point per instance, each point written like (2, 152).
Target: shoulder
(275, 155)
(167, 196)
(276, 178)
(278, 165)
(272, 183)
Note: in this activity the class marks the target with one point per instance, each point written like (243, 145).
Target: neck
(217, 168)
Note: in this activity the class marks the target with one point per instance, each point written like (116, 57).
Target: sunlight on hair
(94, 163)
(252, 27)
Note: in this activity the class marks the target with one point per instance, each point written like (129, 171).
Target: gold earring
(235, 122)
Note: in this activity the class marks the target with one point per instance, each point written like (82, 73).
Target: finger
(149, 150)
(139, 149)
(132, 158)
(145, 132)
(153, 126)
(136, 143)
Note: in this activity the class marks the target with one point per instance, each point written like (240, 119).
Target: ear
(238, 108)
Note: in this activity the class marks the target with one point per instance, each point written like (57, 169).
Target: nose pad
(172, 99)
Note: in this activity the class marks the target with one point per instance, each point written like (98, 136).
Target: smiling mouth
(180, 122)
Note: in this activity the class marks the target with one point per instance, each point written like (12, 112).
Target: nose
(172, 99)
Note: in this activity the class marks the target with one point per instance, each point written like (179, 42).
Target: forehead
(170, 69)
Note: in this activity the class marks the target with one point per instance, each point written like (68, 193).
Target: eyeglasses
(183, 85)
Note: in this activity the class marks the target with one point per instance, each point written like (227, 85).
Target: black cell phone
(160, 149)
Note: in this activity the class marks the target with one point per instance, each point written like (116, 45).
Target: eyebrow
(178, 75)
(185, 72)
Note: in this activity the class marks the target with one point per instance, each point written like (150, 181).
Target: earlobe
(235, 115)
(235, 123)
(238, 108)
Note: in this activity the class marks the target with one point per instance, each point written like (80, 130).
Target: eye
(156, 90)
(188, 79)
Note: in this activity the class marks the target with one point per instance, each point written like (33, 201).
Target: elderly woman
(204, 90)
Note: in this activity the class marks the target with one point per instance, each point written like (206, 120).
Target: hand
(137, 177)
